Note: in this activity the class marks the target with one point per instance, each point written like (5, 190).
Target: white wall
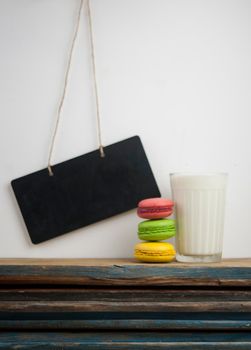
(176, 72)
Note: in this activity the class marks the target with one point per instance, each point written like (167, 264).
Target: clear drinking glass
(200, 208)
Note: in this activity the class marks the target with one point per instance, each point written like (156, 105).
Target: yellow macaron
(154, 252)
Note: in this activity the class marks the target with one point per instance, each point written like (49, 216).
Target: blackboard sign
(85, 189)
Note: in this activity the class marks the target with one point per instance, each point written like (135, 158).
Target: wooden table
(122, 304)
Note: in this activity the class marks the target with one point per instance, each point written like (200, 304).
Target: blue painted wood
(112, 321)
(123, 324)
(153, 275)
(126, 340)
(235, 316)
(28, 306)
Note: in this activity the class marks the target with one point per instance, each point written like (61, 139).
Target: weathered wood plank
(92, 295)
(124, 320)
(124, 294)
(124, 300)
(125, 272)
(244, 262)
(126, 324)
(98, 306)
(134, 340)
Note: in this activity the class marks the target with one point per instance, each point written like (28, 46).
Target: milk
(200, 205)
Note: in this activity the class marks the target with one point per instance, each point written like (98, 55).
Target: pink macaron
(155, 208)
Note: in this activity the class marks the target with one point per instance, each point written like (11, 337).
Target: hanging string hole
(102, 153)
(50, 171)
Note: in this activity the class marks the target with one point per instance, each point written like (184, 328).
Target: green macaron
(156, 230)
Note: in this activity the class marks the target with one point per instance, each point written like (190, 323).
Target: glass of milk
(199, 206)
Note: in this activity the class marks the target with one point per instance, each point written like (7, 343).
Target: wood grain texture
(126, 340)
(124, 321)
(125, 294)
(98, 306)
(245, 262)
(129, 308)
(123, 272)
(125, 324)
(150, 306)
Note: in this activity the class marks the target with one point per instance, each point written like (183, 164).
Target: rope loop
(66, 78)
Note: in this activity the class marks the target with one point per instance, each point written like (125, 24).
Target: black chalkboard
(85, 189)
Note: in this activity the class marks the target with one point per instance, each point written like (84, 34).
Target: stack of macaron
(154, 230)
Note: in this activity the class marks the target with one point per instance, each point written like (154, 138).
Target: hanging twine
(101, 149)
(62, 99)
